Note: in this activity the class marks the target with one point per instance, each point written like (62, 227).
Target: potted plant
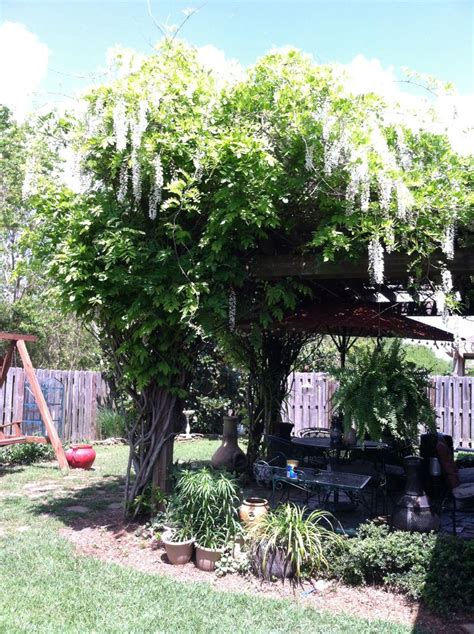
(179, 545)
(286, 544)
(384, 395)
(208, 499)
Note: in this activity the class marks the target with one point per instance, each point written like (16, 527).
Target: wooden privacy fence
(310, 393)
(82, 392)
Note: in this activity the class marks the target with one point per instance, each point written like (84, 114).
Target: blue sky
(434, 37)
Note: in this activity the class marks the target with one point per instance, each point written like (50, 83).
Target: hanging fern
(383, 394)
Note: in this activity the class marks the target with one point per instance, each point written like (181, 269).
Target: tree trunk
(269, 367)
(151, 448)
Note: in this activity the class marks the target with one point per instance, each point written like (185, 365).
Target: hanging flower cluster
(123, 183)
(385, 184)
(137, 128)
(309, 159)
(156, 192)
(404, 154)
(376, 261)
(448, 242)
(120, 123)
(446, 281)
(359, 181)
(95, 118)
(404, 199)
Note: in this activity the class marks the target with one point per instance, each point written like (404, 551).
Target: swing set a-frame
(16, 435)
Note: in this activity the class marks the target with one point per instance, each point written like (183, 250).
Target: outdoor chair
(276, 445)
(314, 432)
(458, 487)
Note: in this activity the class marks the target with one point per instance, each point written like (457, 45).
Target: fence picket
(80, 398)
(452, 398)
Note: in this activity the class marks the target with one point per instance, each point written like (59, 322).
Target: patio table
(310, 481)
(337, 453)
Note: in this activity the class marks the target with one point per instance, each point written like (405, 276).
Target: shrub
(111, 424)
(439, 569)
(216, 387)
(25, 454)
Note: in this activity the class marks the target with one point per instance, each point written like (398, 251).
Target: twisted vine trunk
(151, 439)
(269, 368)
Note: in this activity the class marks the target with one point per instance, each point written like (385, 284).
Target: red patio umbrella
(345, 322)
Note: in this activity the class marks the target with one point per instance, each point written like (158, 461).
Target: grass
(47, 587)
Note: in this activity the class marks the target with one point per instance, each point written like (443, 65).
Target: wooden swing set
(16, 435)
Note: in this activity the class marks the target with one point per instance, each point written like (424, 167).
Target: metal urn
(413, 511)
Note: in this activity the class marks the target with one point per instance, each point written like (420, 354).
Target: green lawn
(47, 587)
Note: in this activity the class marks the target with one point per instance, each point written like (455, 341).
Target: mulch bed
(109, 539)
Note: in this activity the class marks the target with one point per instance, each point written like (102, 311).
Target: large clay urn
(229, 455)
(80, 456)
(253, 510)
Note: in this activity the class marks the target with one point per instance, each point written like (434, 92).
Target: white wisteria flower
(376, 261)
(156, 192)
(120, 122)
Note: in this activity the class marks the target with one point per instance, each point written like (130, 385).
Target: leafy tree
(424, 357)
(184, 183)
(28, 155)
(125, 252)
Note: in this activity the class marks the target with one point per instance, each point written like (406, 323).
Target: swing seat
(16, 436)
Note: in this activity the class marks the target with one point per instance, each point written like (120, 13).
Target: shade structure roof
(360, 320)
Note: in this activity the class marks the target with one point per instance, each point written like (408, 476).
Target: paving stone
(44, 488)
(77, 508)
(115, 505)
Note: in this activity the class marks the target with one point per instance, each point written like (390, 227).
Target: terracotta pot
(229, 454)
(252, 510)
(206, 558)
(80, 456)
(178, 553)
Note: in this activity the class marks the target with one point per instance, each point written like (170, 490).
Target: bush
(207, 501)
(216, 387)
(111, 424)
(25, 454)
(439, 569)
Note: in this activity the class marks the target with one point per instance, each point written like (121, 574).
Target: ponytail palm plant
(300, 536)
(383, 394)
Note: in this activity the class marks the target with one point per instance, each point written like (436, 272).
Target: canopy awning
(360, 320)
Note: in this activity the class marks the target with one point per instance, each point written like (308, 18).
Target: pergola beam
(396, 266)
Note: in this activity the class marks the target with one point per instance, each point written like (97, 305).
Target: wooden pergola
(16, 435)
(348, 280)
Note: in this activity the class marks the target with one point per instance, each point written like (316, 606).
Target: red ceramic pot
(80, 456)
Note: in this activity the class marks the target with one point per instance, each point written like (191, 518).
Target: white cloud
(454, 114)
(214, 59)
(24, 63)
(368, 75)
